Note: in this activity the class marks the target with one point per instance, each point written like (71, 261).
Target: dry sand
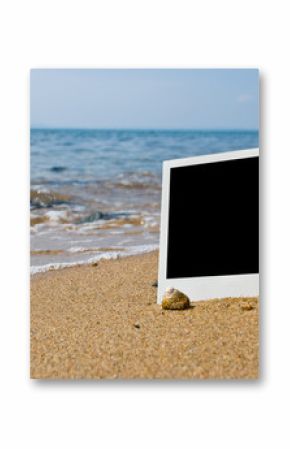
(103, 322)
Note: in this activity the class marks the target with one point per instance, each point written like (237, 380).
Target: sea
(95, 194)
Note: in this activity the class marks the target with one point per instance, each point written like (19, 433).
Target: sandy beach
(102, 322)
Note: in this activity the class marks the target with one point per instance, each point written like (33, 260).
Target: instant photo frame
(209, 239)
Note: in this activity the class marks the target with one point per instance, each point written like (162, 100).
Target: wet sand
(102, 322)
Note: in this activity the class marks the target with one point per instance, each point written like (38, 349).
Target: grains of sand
(103, 323)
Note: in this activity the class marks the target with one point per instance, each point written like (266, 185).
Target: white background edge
(211, 414)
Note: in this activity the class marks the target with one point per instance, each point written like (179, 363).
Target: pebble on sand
(174, 299)
(247, 306)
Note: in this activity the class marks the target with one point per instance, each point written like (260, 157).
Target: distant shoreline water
(146, 130)
(96, 193)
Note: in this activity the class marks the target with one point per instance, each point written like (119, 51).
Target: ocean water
(96, 193)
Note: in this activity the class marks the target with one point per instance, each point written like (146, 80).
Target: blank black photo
(214, 219)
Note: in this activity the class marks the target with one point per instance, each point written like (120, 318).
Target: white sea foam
(56, 215)
(79, 249)
(52, 266)
(130, 251)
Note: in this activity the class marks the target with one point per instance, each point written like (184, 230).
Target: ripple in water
(102, 198)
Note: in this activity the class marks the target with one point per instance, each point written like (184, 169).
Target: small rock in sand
(137, 325)
(173, 299)
(94, 264)
(247, 306)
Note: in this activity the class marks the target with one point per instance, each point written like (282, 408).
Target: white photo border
(206, 287)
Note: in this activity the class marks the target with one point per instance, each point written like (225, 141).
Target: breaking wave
(135, 250)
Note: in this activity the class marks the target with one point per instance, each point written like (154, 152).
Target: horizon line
(46, 127)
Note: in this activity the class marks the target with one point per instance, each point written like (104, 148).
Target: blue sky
(145, 98)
